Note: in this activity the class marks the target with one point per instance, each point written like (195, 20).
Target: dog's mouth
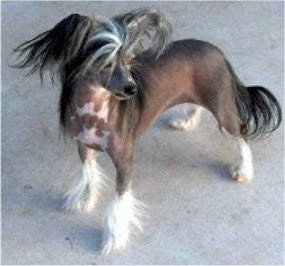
(122, 96)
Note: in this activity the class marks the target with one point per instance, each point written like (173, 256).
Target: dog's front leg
(124, 211)
(87, 189)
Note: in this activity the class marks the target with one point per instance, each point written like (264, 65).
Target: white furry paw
(179, 125)
(122, 220)
(112, 244)
(87, 190)
(76, 203)
(241, 174)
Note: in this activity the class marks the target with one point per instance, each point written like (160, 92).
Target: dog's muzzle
(131, 89)
(127, 92)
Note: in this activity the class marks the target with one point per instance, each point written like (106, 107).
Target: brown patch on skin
(102, 128)
(99, 133)
(97, 95)
(99, 98)
(101, 125)
(87, 93)
(89, 121)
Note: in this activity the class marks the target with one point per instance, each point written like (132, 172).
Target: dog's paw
(112, 245)
(241, 175)
(178, 125)
(87, 206)
(78, 205)
(185, 125)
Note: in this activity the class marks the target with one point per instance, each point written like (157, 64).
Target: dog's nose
(130, 89)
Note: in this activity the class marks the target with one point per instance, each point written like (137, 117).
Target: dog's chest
(91, 120)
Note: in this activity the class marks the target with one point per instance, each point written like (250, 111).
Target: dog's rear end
(198, 72)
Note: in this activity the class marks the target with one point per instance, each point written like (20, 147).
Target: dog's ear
(58, 46)
(145, 29)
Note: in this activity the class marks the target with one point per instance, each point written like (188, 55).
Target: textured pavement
(197, 214)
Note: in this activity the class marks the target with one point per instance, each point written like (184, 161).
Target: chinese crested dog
(117, 76)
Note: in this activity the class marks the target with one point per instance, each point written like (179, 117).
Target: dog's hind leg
(229, 121)
(242, 169)
(125, 210)
(87, 189)
(191, 122)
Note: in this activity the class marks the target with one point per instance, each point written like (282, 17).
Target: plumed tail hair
(54, 48)
(259, 111)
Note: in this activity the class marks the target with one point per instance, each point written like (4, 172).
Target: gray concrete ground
(197, 215)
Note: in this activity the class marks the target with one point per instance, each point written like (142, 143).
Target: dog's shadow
(77, 235)
(220, 169)
(88, 238)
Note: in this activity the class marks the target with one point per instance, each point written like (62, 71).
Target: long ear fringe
(53, 48)
(145, 29)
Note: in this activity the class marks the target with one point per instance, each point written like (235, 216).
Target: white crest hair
(110, 33)
(133, 32)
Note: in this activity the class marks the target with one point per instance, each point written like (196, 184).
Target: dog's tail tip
(259, 111)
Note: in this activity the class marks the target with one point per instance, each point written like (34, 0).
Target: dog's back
(198, 72)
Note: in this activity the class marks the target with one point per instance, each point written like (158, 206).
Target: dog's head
(99, 50)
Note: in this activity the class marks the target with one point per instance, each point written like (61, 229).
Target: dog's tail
(258, 110)
(55, 47)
